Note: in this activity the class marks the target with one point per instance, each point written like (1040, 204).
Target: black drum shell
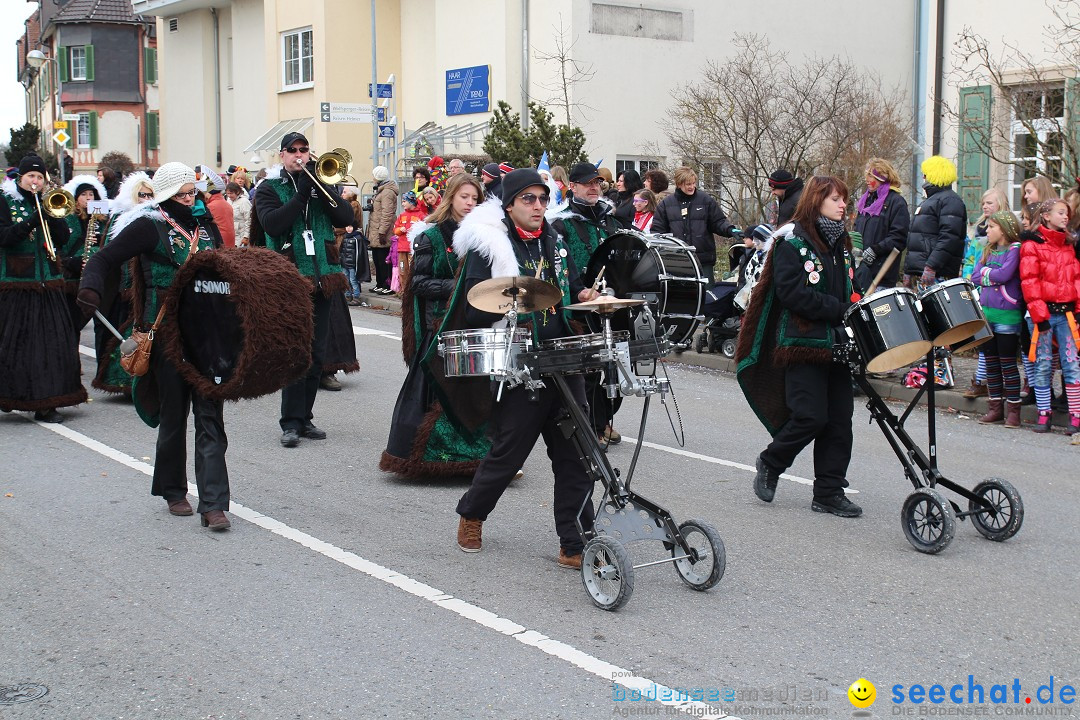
(888, 329)
(952, 312)
(238, 323)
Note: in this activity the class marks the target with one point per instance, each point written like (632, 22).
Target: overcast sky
(12, 97)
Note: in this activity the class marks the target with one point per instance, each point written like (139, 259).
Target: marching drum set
(893, 328)
(627, 349)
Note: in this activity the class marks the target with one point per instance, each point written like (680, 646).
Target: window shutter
(150, 65)
(62, 62)
(974, 165)
(89, 62)
(152, 131)
(93, 128)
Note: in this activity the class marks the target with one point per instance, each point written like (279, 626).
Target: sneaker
(290, 438)
(1074, 425)
(765, 481)
(837, 505)
(329, 382)
(469, 534)
(612, 436)
(976, 390)
(311, 432)
(1042, 424)
(568, 560)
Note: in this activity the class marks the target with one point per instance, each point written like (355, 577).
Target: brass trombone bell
(58, 203)
(332, 168)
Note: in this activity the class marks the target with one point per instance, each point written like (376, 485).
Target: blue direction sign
(387, 131)
(386, 90)
(468, 90)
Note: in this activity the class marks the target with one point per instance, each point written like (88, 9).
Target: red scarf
(526, 235)
(642, 220)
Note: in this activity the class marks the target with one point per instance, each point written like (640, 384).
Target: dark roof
(109, 11)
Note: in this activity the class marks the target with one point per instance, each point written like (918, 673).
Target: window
(86, 130)
(622, 164)
(44, 84)
(1035, 138)
(710, 178)
(296, 55)
(78, 63)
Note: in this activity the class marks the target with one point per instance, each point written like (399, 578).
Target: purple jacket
(999, 278)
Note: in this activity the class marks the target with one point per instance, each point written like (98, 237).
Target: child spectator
(400, 250)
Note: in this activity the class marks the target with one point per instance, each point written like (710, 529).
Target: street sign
(346, 112)
(468, 90)
(71, 117)
(62, 137)
(387, 131)
(386, 90)
(59, 125)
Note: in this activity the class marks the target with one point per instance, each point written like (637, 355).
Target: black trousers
(602, 409)
(170, 461)
(516, 423)
(298, 399)
(382, 270)
(821, 402)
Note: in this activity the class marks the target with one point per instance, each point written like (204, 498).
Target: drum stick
(884, 269)
(599, 276)
(108, 325)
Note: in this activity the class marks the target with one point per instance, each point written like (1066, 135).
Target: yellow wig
(939, 171)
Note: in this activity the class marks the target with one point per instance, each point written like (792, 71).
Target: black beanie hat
(30, 163)
(780, 179)
(492, 170)
(86, 186)
(514, 183)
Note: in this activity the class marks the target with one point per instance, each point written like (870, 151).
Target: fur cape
(11, 190)
(72, 184)
(484, 231)
(127, 196)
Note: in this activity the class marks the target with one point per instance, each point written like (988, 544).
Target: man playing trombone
(39, 347)
(297, 214)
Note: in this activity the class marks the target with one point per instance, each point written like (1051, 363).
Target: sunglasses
(531, 198)
(145, 196)
(294, 150)
(188, 194)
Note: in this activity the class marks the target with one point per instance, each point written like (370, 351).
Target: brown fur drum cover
(238, 323)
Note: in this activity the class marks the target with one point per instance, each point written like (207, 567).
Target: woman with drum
(785, 351)
(162, 236)
(882, 218)
(424, 440)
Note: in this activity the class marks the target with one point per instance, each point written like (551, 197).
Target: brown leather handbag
(135, 351)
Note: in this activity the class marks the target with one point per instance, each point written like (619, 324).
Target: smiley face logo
(862, 693)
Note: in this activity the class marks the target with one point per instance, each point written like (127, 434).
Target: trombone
(59, 203)
(332, 168)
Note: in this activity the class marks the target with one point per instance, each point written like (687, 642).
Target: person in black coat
(882, 220)
(788, 189)
(693, 217)
(935, 247)
(628, 183)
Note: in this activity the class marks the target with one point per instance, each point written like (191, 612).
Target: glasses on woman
(530, 198)
(145, 196)
(188, 194)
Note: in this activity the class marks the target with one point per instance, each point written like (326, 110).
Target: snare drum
(952, 311)
(888, 329)
(475, 353)
(581, 351)
(661, 269)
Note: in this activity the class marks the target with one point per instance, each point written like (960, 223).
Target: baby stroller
(722, 319)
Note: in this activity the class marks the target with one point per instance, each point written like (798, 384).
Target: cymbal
(605, 304)
(496, 295)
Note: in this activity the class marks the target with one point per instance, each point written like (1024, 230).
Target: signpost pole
(374, 92)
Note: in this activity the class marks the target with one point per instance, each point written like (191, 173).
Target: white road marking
(595, 666)
(88, 352)
(357, 330)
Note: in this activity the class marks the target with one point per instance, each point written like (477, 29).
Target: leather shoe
(49, 416)
(571, 562)
(765, 481)
(290, 438)
(837, 505)
(329, 382)
(180, 508)
(216, 520)
(311, 432)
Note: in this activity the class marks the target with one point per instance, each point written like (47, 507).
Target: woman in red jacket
(1050, 280)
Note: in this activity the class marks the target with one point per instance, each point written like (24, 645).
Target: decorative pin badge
(802, 251)
(562, 252)
(815, 278)
(808, 266)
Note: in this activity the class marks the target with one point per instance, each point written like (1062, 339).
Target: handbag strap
(157, 320)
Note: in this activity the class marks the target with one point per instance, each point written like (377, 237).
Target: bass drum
(660, 269)
(238, 323)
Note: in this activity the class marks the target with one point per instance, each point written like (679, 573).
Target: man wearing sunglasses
(298, 220)
(511, 237)
(586, 223)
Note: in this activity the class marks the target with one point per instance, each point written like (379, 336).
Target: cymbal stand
(511, 328)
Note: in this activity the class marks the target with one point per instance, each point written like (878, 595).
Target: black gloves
(869, 256)
(303, 182)
(1044, 326)
(88, 302)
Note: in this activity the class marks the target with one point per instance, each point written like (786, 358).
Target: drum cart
(929, 520)
(623, 516)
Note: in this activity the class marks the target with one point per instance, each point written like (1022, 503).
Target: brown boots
(995, 414)
(1012, 413)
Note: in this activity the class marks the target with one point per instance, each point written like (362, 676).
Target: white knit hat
(169, 178)
(380, 173)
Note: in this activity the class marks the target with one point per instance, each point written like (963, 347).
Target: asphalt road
(340, 591)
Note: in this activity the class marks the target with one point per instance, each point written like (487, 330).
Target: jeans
(350, 273)
(1070, 364)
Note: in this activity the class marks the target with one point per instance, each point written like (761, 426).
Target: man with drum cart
(587, 221)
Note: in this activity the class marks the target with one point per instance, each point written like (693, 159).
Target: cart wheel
(1008, 513)
(928, 520)
(706, 571)
(699, 343)
(606, 573)
(728, 347)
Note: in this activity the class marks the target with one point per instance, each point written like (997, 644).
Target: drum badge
(808, 266)
(965, 295)
(882, 310)
(814, 278)
(562, 252)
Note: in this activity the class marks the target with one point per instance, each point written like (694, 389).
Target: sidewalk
(891, 388)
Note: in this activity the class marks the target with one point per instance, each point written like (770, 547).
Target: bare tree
(569, 74)
(759, 111)
(1032, 98)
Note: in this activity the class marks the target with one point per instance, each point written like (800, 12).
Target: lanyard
(192, 238)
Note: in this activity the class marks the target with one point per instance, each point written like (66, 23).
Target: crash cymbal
(496, 295)
(605, 304)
